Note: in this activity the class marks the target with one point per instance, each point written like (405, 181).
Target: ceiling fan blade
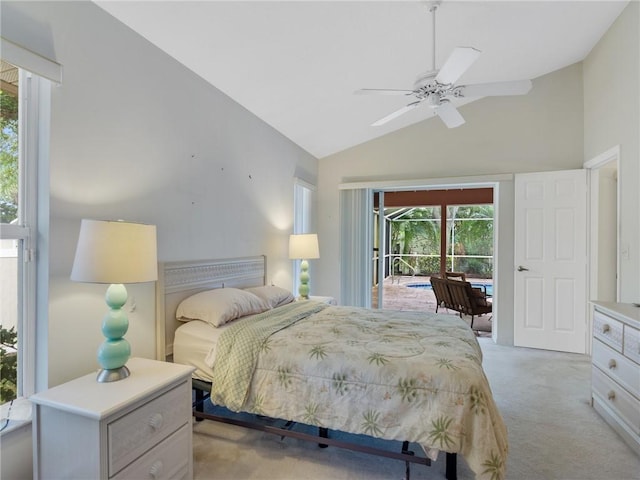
(396, 114)
(457, 63)
(382, 91)
(519, 87)
(449, 114)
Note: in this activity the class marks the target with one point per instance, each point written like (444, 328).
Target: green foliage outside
(8, 213)
(418, 232)
(8, 157)
(8, 364)
(469, 233)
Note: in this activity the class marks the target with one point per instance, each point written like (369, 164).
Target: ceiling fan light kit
(437, 88)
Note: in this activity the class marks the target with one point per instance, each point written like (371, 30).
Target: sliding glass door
(419, 234)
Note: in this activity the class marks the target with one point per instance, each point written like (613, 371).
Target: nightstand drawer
(138, 431)
(618, 399)
(608, 330)
(618, 367)
(168, 461)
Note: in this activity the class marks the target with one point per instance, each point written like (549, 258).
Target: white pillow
(274, 296)
(220, 306)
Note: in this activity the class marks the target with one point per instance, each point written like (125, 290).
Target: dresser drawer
(133, 434)
(632, 344)
(607, 330)
(169, 460)
(618, 367)
(618, 399)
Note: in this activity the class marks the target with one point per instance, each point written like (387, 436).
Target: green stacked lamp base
(115, 350)
(303, 289)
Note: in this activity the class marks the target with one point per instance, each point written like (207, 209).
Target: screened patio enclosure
(427, 233)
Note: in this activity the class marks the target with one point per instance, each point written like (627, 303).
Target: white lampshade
(304, 246)
(115, 252)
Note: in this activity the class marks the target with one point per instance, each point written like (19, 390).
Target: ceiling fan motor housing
(434, 100)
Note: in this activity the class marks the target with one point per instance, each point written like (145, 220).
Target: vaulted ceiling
(296, 64)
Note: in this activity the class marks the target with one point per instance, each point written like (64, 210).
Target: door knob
(522, 269)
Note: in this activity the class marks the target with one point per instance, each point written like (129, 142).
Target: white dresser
(615, 388)
(136, 428)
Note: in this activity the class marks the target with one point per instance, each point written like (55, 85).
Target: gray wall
(612, 117)
(136, 136)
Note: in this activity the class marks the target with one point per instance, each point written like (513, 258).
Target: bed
(403, 376)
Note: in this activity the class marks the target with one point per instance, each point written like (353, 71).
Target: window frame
(23, 233)
(38, 74)
(28, 213)
(33, 121)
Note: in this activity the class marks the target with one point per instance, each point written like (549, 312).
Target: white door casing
(550, 261)
(604, 220)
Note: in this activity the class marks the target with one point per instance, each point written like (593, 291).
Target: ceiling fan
(436, 88)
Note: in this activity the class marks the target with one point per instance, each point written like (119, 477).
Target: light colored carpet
(544, 398)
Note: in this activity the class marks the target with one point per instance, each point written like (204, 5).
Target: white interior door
(550, 261)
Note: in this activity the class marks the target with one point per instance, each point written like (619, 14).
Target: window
(12, 235)
(25, 81)
(302, 217)
(23, 97)
(302, 206)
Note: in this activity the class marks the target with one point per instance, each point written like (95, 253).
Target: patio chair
(461, 297)
(480, 292)
(443, 298)
(455, 276)
(468, 300)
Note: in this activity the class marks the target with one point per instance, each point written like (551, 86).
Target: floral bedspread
(396, 375)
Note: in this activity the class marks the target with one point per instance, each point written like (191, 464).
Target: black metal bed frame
(202, 389)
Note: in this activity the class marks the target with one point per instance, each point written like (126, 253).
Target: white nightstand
(139, 427)
(327, 300)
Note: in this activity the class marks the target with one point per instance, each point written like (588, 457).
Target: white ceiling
(296, 64)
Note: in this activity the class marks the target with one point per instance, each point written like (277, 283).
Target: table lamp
(115, 252)
(304, 247)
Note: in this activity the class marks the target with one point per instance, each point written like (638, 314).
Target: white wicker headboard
(179, 280)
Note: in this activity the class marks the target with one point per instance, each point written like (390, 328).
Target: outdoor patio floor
(398, 296)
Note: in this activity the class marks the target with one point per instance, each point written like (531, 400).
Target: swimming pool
(427, 286)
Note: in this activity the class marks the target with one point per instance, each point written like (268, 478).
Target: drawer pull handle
(156, 469)
(155, 421)
(612, 364)
(606, 328)
(611, 395)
